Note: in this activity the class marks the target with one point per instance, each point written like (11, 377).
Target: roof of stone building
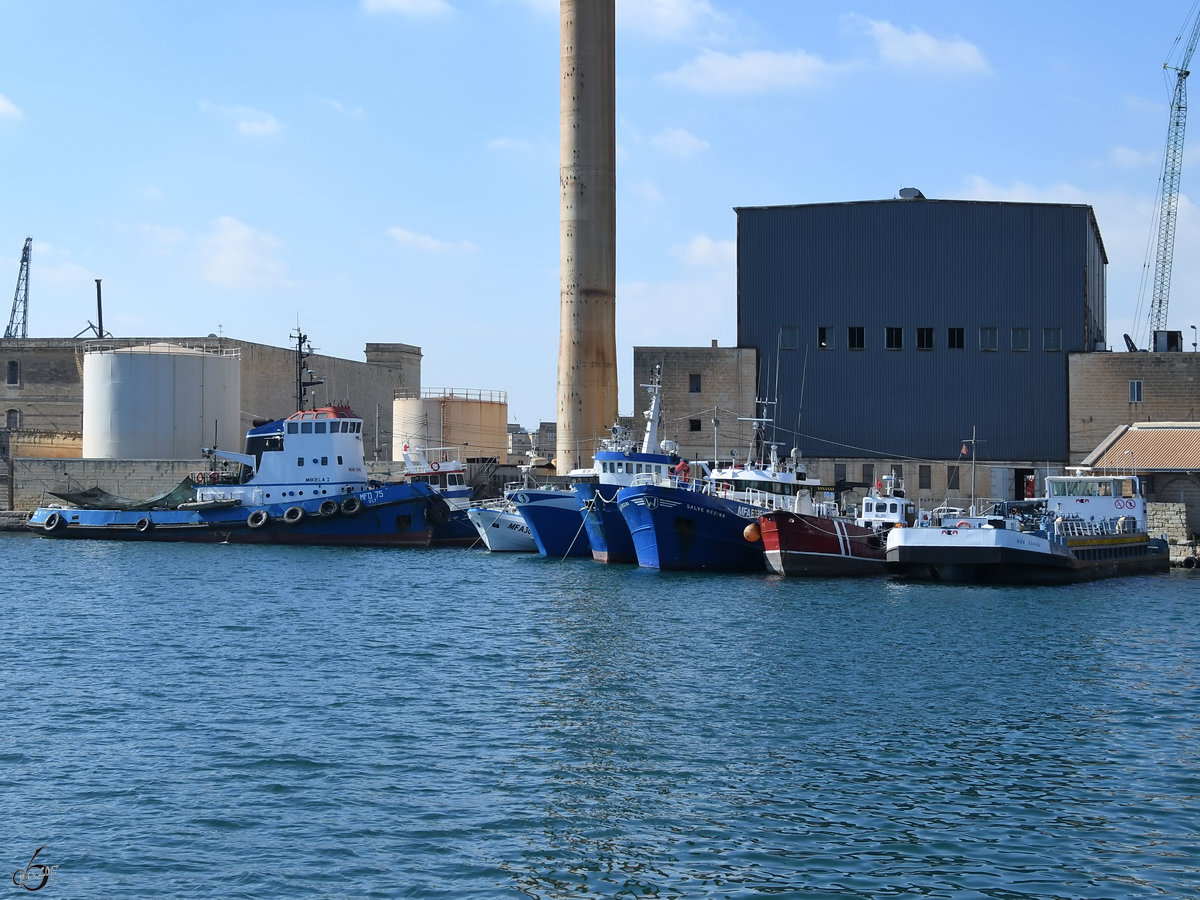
(1150, 446)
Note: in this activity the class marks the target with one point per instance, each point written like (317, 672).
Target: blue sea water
(231, 721)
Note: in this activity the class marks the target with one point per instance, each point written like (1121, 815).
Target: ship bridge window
(306, 427)
(293, 428)
(320, 427)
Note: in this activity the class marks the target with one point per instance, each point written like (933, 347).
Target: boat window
(893, 507)
(306, 427)
(292, 428)
(357, 427)
(300, 460)
(1105, 488)
(320, 427)
(323, 415)
(339, 460)
(324, 460)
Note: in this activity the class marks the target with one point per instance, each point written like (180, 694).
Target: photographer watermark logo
(35, 875)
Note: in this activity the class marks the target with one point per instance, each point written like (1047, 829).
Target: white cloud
(976, 187)
(426, 244)
(412, 8)
(678, 142)
(253, 123)
(234, 255)
(8, 109)
(919, 50)
(1128, 158)
(250, 122)
(356, 112)
(647, 190)
(511, 145)
(674, 20)
(161, 237)
(755, 71)
(704, 251)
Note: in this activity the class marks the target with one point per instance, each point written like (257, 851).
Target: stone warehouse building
(43, 389)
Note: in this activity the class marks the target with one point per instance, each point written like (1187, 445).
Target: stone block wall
(1100, 395)
(135, 479)
(700, 384)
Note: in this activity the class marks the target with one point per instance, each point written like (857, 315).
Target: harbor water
(273, 722)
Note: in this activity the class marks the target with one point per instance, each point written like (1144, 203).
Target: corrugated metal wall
(920, 264)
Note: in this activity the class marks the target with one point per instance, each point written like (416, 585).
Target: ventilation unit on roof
(911, 194)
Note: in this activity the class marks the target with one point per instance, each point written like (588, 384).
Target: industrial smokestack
(587, 341)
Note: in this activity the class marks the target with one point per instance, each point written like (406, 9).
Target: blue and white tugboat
(617, 462)
(711, 523)
(301, 480)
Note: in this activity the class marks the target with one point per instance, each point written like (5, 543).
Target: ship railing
(214, 477)
(1081, 528)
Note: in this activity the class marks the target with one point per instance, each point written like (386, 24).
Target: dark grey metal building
(893, 328)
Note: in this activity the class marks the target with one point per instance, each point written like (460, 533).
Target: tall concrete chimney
(587, 338)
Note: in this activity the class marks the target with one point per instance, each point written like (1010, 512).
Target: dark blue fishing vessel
(712, 523)
(618, 461)
(301, 480)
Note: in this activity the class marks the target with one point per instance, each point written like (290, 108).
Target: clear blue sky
(387, 170)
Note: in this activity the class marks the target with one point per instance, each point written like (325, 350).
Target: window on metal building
(856, 337)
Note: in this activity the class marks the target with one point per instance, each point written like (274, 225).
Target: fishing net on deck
(98, 498)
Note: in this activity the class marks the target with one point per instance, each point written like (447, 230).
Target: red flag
(964, 450)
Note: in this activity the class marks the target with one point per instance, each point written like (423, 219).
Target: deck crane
(1169, 192)
(17, 326)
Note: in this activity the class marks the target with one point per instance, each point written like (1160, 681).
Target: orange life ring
(434, 466)
(963, 524)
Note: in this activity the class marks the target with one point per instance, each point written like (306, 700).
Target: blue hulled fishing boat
(618, 461)
(712, 523)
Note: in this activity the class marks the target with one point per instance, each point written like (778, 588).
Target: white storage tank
(474, 421)
(160, 401)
